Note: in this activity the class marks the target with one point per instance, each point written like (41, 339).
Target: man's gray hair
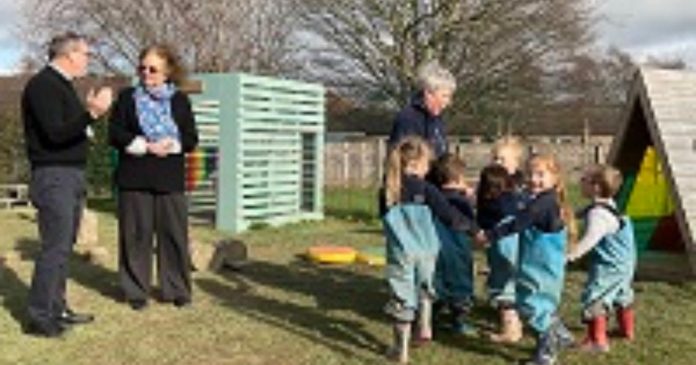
(64, 43)
(432, 76)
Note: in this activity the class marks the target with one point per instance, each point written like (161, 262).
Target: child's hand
(480, 240)
(571, 257)
(468, 191)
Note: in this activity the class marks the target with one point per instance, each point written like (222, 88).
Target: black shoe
(46, 329)
(137, 304)
(182, 302)
(70, 317)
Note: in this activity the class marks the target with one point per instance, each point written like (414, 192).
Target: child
(508, 152)
(545, 226)
(609, 240)
(412, 243)
(454, 275)
(496, 202)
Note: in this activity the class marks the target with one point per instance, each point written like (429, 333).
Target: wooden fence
(359, 162)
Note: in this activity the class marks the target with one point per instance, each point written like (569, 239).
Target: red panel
(667, 236)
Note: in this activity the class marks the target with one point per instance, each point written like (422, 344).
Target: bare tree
(214, 36)
(501, 51)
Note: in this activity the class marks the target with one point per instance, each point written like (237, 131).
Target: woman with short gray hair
(422, 117)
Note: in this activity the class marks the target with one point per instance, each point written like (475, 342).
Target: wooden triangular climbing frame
(655, 149)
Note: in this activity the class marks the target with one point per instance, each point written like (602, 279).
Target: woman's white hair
(432, 76)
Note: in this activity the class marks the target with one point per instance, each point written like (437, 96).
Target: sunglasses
(148, 69)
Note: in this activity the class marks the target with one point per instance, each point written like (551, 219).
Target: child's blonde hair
(550, 164)
(410, 149)
(606, 178)
(508, 142)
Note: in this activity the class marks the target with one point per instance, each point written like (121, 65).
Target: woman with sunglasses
(152, 126)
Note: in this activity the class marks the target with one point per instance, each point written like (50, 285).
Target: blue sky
(665, 28)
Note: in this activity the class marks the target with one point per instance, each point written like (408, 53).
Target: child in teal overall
(454, 273)
(497, 202)
(413, 207)
(544, 226)
(609, 241)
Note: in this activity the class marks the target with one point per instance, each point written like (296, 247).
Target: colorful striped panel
(200, 166)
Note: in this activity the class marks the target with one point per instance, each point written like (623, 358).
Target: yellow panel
(651, 195)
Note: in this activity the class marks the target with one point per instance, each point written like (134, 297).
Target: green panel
(625, 191)
(643, 229)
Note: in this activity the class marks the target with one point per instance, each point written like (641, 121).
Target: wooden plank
(278, 85)
(267, 135)
(270, 211)
(282, 108)
(287, 200)
(275, 117)
(253, 191)
(664, 266)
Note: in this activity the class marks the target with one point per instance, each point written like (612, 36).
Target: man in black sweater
(55, 127)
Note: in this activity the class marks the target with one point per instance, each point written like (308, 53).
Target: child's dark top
(519, 180)
(417, 190)
(459, 201)
(492, 211)
(542, 212)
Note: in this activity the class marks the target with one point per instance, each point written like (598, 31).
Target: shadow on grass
(85, 273)
(331, 288)
(13, 293)
(483, 318)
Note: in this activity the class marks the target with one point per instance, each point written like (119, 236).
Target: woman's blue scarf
(154, 110)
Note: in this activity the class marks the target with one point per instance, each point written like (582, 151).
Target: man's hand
(99, 102)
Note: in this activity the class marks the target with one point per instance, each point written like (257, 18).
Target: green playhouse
(655, 149)
(260, 158)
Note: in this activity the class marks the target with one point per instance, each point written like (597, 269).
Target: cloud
(664, 28)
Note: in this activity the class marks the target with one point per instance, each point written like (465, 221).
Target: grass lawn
(281, 310)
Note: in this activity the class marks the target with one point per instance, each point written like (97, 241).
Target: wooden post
(346, 165)
(381, 157)
(363, 163)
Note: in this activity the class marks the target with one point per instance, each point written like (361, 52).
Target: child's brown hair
(550, 164)
(607, 179)
(494, 181)
(449, 168)
(410, 149)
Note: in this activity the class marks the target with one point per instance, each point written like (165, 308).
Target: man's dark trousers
(58, 194)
